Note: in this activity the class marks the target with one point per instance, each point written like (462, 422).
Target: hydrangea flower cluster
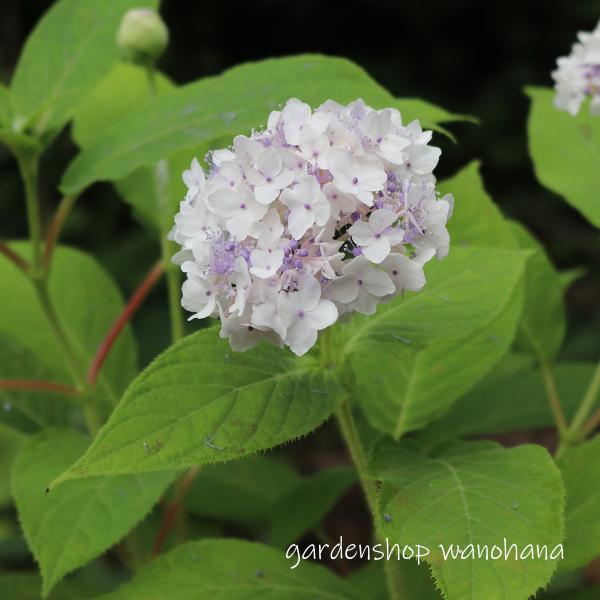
(322, 213)
(578, 75)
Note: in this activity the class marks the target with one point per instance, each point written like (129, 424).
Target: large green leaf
(229, 104)
(580, 468)
(476, 219)
(87, 303)
(474, 493)
(542, 327)
(10, 444)
(27, 411)
(514, 402)
(199, 403)
(70, 526)
(418, 354)
(241, 490)
(305, 506)
(232, 570)
(566, 152)
(69, 52)
(123, 90)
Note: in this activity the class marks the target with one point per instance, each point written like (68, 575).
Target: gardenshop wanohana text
(418, 552)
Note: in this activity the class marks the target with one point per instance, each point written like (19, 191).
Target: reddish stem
(172, 508)
(44, 386)
(134, 303)
(20, 262)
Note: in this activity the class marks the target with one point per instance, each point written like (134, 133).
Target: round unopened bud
(142, 36)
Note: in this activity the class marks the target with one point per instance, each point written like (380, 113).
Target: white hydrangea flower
(578, 75)
(323, 213)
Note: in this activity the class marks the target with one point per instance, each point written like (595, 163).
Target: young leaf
(565, 152)
(235, 570)
(417, 354)
(470, 494)
(200, 402)
(515, 402)
(27, 411)
(542, 327)
(70, 526)
(232, 103)
(87, 303)
(241, 490)
(305, 505)
(580, 468)
(68, 53)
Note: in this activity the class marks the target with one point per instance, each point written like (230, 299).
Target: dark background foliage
(468, 56)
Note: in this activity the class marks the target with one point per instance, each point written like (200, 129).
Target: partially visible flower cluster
(323, 213)
(578, 75)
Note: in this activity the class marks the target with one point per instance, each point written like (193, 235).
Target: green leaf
(565, 152)
(418, 354)
(5, 106)
(515, 402)
(580, 467)
(235, 102)
(68, 527)
(542, 327)
(124, 89)
(28, 411)
(306, 505)
(199, 403)
(10, 444)
(476, 219)
(242, 490)
(569, 276)
(69, 52)
(475, 493)
(235, 570)
(87, 303)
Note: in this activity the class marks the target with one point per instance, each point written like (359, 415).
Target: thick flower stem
(351, 437)
(28, 167)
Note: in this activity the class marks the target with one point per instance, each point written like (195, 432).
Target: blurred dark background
(468, 56)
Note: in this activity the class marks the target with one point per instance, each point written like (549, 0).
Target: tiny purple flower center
(355, 180)
(307, 206)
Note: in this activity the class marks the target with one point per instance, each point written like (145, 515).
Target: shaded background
(463, 55)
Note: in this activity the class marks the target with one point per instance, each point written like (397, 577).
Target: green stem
(167, 249)
(553, 399)
(352, 439)
(28, 166)
(587, 403)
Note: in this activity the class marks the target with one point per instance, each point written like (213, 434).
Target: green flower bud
(142, 36)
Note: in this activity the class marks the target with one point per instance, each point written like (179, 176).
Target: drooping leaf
(67, 54)
(565, 152)
(467, 494)
(70, 526)
(27, 411)
(87, 303)
(305, 505)
(542, 327)
(476, 219)
(580, 467)
(232, 103)
(515, 402)
(200, 403)
(418, 354)
(233, 570)
(241, 490)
